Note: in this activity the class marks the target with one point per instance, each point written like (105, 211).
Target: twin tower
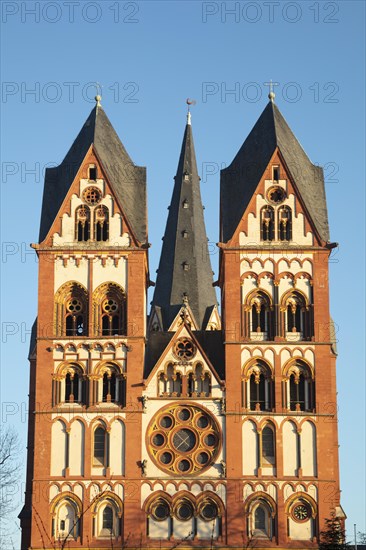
(184, 426)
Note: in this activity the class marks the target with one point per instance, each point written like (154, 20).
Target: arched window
(170, 382)
(300, 388)
(258, 387)
(260, 514)
(108, 511)
(72, 387)
(113, 387)
(65, 523)
(71, 305)
(199, 382)
(101, 223)
(82, 220)
(267, 223)
(110, 310)
(268, 446)
(259, 317)
(100, 447)
(284, 223)
(298, 318)
(108, 519)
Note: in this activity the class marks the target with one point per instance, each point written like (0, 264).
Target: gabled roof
(239, 180)
(127, 180)
(185, 266)
(209, 341)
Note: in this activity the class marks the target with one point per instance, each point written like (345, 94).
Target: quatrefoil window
(184, 349)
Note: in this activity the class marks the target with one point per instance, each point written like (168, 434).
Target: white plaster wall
(110, 272)
(207, 529)
(71, 272)
(290, 459)
(67, 236)
(159, 529)
(76, 454)
(117, 448)
(308, 449)
(54, 491)
(300, 531)
(250, 448)
(58, 449)
(252, 237)
(183, 529)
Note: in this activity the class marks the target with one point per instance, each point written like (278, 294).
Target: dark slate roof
(211, 342)
(33, 338)
(239, 180)
(127, 180)
(173, 281)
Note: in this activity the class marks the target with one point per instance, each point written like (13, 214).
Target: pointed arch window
(71, 309)
(66, 520)
(107, 514)
(101, 223)
(284, 223)
(110, 310)
(82, 219)
(261, 518)
(267, 223)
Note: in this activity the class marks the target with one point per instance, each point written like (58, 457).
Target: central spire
(185, 273)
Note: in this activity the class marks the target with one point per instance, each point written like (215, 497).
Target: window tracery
(258, 389)
(297, 316)
(107, 514)
(300, 388)
(66, 519)
(110, 308)
(71, 310)
(284, 223)
(267, 223)
(259, 316)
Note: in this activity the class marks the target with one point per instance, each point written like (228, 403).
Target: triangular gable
(276, 158)
(90, 157)
(185, 315)
(183, 330)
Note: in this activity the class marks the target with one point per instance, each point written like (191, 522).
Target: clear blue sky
(149, 57)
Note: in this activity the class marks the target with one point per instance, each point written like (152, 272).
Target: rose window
(92, 196)
(276, 195)
(184, 349)
(183, 439)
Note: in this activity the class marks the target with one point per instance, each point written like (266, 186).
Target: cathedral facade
(183, 425)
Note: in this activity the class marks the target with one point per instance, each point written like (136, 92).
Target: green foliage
(334, 535)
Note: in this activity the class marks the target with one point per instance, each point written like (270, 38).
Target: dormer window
(186, 176)
(92, 172)
(185, 203)
(275, 173)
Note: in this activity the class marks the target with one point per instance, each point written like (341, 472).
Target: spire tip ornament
(271, 95)
(189, 103)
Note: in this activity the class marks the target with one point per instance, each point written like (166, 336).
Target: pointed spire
(185, 272)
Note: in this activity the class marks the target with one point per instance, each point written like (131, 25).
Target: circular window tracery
(183, 439)
(276, 194)
(92, 195)
(184, 349)
(74, 306)
(209, 511)
(109, 305)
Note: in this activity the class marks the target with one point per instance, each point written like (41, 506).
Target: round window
(74, 306)
(92, 196)
(183, 439)
(209, 511)
(184, 511)
(161, 511)
(276, 194)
